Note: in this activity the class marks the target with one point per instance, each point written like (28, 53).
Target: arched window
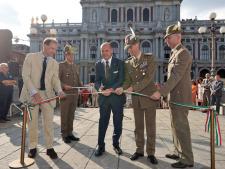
(222, 52)
(114, 15)
(93, 52)
(146, 15)
(167, 51)
(146, 47)
(205, 53)
(115, 48)
(130, 15)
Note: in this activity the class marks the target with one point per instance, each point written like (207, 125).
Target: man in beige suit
(41, 81)
(178, 86)
(69, 77)
(139, 77)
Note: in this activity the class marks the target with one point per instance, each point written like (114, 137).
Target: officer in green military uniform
(69, 77)
(178, 89)
(139, 77)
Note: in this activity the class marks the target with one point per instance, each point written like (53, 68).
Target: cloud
(8, 15)
(202, 9)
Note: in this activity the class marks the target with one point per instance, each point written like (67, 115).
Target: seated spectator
(6, 91)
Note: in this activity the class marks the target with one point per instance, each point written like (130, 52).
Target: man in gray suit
(216, 89)
(178, 86)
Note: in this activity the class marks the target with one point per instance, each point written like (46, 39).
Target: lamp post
(38, 33)
(44, 19)
(212, 30)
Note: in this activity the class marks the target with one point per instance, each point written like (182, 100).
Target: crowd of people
(44, 78)
(208, 91)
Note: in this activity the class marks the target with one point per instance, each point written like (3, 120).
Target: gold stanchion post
(23, 162)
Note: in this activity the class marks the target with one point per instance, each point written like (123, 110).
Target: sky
(16, 14)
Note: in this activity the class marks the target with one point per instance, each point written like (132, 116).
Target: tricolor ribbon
(208, 119)
(217, 127)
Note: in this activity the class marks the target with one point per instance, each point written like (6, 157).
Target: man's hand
(61, 94)
(130, 89)
(119, 91)
(107, 92)
(67, 87)
(155, 96)
(9, 82)
(36, 98)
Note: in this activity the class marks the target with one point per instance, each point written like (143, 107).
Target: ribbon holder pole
(23, 162)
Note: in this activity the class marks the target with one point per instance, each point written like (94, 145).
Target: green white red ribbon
(208, 119)
(217, 127)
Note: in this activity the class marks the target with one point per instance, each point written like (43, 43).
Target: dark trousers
(105, 111)
(5, 101)
(206, 98)
(215, 100)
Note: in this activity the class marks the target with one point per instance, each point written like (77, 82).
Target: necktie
(107, 70)
(42, 82)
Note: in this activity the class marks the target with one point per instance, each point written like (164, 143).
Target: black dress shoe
(136, 155)
(73, 138)
(172, 156)
(181, 165)
(66, 140)
(99, 151)
(51, 153)
(152, 159)
(32, 153)
(118, 150)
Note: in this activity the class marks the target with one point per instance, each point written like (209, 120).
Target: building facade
(109, 20)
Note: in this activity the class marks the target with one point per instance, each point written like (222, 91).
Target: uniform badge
(144, 65)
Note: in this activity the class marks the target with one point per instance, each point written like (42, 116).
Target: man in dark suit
(109, 76)
(178, 89)
(216, 92)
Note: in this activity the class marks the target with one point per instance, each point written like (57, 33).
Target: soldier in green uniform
(69, 77)
(178, 86)
(139, 77)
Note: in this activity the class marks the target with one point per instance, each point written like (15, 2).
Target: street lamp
(44, 19)
(38, 33)
(212, 30)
